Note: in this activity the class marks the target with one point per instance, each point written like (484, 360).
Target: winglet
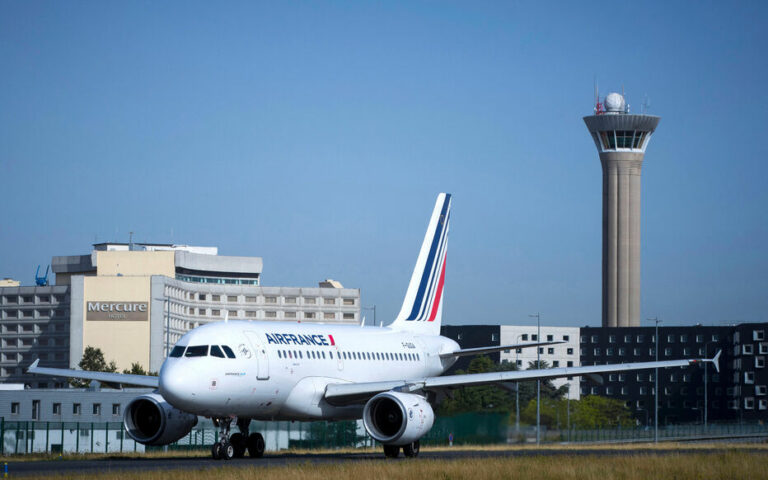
(716, 360)
(33, 366)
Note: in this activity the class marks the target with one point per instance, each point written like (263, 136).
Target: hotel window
(668, 352)
(250, 314)
(349, 301)
(309, 314)
(290, 300)
(570, 363)
(201, 311)
(349, 316)
(524, 337)
(270, 299)
(215, 312)
(759, 362)
(290, 314)
(627, 338)
(699, 338)
(569, 351)
(596, 352)
(715, 338)
(232, 298)
(201, 296)
(747, 349)
(310, 300)
(215, 298)
(683, 338)
(749, 377)
(551, 351)
(595, 339)
(566, 338)
(251, 299)
(329, 316)
(232, 313)
(76, 409)
(270, 314)
(550, 338)
(670, 339)
(97, 409)
(115, 409)
(611, 338)
(56, 410)
(329, 301)
(758, 335)
(15, 408)
(535, 337)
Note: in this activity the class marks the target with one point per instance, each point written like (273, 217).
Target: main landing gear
(235, 445)
(409, 450)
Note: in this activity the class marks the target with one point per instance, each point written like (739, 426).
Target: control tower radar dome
(614, 102)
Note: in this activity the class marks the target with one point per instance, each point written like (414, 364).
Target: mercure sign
(130, 311)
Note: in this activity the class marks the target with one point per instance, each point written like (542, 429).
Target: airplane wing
(103, 377)
(481, 350)
(349, 393)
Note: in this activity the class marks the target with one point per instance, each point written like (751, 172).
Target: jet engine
(395, 418)
(150, 420)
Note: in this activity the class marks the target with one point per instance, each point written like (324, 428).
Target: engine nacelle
(395, 418)
(150, 420)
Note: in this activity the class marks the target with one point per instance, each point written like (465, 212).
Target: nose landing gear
(235, 445)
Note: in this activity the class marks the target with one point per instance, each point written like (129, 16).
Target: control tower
(621, 139)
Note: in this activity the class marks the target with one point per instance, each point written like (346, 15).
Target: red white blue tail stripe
(423, 300)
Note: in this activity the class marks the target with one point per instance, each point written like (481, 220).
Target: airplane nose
(174, 386)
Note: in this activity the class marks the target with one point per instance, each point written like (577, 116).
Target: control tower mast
(621, 139)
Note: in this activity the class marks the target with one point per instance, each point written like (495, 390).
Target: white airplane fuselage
(280, 370)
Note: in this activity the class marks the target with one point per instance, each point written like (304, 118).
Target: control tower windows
(624, 138)
(639, 137)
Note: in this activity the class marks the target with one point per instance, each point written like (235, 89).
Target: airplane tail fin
(422, 308)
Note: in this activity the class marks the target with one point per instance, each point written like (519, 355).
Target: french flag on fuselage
(429, 277)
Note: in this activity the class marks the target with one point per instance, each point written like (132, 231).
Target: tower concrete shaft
(621, 140)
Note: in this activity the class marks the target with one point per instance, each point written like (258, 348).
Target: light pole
(167, 301)
(517, 389)
(538, 382)
(656, 385)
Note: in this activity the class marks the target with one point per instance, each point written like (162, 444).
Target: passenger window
(216, 351)
(279, 355)
(323, 354)
(177, 351)
(228, 351)
(197, 351)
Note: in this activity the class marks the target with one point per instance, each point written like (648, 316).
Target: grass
(206, 452)
(727, 464)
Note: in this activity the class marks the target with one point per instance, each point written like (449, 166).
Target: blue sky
(317, 135)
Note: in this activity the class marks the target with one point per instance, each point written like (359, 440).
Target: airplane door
(262, 360)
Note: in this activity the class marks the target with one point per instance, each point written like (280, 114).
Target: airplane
(391, 377)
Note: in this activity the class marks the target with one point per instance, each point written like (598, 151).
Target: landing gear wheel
(412, 449)
(255, 444)
(391, 451)
(216, 451)
(238, 443)
(227, 451)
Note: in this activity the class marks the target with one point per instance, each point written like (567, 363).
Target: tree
(593, 411)
(486, 398)
(93, 361)
(137, 369)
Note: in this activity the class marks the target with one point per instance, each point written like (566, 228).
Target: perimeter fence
(475, 429)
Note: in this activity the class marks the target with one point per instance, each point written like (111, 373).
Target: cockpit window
(228, 351)
(177, 351)
(216, 351)
(197, 351)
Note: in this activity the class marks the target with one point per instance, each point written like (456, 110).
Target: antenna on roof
(646, 104)
(598, 106)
